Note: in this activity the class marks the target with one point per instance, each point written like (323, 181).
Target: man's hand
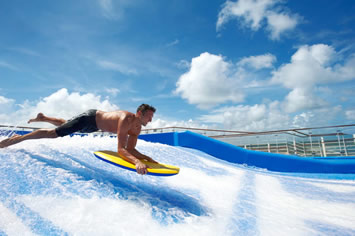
(141, 168)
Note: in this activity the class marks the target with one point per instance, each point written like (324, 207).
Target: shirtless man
(125, 124)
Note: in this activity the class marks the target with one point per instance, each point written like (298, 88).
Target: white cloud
(61, 104)
(279, 23)
(270, 116)
(251, 12)
(249, 118)
(254, 13)
(258, 62)
(161, 123)
(302, 98)
(113, 91)
(208, 82)
(6, 106)
(316, 117)
(311, 66)
(5, 101)
(183, 64)
(347, 72)
(212, 81)
(175, 42)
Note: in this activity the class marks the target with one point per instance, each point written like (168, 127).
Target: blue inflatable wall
(270, 161)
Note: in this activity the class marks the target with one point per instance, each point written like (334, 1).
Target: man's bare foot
(9, 141)
(39, 118)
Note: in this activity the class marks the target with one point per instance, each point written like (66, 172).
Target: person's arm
(131, 147)
(125, 145)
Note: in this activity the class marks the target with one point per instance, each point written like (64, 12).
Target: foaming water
(58, 187)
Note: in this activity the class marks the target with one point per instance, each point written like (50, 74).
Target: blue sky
(239, 65)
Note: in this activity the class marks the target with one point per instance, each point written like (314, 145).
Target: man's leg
(42, 118)
(38, 134)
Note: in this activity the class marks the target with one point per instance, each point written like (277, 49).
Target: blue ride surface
(269, 161)
(58, 187)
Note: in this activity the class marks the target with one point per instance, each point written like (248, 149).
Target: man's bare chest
(134, 130)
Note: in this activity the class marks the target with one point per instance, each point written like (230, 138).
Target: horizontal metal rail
(325, 141)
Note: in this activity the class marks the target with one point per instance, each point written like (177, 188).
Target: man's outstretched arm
(126, 145)
(131, 147)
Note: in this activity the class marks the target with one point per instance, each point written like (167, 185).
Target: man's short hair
(145, 107)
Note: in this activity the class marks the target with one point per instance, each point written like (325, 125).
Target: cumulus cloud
(249, 117)
(208, 82)
(6, 105)
(318, 117)
(302, 98)
(60, 104)
(254, 14)
(311, 66)
(211, 80)
(161, 123)
(4, 102)
(270, 116)
(278, 23)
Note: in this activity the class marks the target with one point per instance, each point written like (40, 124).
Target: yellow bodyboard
(156, 169)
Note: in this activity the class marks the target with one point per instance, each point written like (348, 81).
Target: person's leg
(38, 134)
(42, 118)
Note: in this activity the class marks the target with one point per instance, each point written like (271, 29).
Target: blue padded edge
(269, 161)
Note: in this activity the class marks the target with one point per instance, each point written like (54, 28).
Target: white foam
(280, 212)
(77, 192)
(336, 187)
(107, 216)
(11, 224)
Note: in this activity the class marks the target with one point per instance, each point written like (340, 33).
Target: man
(125, 124)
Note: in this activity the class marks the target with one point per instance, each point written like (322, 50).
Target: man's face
(147, 117)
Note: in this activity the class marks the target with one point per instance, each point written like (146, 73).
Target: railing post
(304, 149)
(338, 136)
(277, 144)
(311, 141)
(295, 146)
(346, 151)
(287, 149)
(323, 147)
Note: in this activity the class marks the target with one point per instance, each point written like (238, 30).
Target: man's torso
(108, 121)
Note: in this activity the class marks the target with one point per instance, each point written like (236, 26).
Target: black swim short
(84, 123)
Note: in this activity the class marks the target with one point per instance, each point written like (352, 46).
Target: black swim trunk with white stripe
(84, 123)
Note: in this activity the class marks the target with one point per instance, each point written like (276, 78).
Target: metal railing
(328, 141)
